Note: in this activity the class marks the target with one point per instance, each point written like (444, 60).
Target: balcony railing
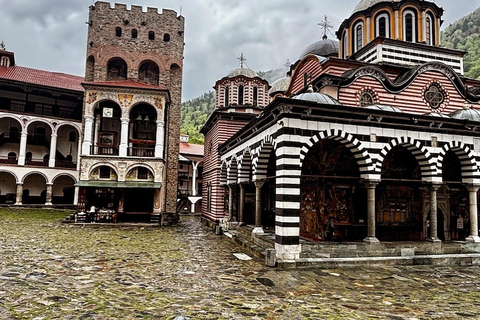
(104, 151)
(36, 162)
(65, 164)
(8, 160)
(141, 152)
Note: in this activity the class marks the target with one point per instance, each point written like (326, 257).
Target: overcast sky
(51, 34)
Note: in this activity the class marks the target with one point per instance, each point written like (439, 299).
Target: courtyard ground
(50, 270)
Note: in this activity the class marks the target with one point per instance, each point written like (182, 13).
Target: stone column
(53, 150)
(124, 132)
(48, 200)
(75, 196)
(371, 236)
(23, 148)
(433, 237)
(194, 178)
(120, 201)
(473, 190)
(230, 202)
(95, 134)
(258, 207)
(157, 202)
(79, 152)
(241, 207)
(19, 194)
(160, 143)
(87, 136)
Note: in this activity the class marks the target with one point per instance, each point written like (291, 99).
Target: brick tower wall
(104, 44)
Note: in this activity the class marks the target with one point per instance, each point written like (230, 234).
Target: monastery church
(377, 131)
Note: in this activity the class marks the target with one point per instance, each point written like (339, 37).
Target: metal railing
(8, 160)
(36, 162)
(141, 152)
(65, 164)
(104, 151)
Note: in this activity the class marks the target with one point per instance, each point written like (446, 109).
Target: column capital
(259, 183)
(473, 187)
(88, 118)
(160, 123)
(434, 186)
(19, 183)
(125, 120)
(371, 184)
(49, 184)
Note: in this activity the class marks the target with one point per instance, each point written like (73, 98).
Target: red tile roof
(42, 78)
(191, 149)
(126, 84)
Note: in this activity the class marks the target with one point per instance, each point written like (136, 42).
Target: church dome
(437, 115)
(466, 114)
(280, 85)
(242, 72)
(316, 97)
(365, 4)
(383, 107)
(323, 48)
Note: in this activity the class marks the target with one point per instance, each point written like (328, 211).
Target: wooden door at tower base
(138, 200)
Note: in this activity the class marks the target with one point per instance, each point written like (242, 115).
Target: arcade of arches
(332, 186)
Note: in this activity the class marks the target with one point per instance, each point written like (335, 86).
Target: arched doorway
(329, 184)
(8, 188)
(107, 128)
(63, 190)
(34, 189)
(458, 197)
(399, 204)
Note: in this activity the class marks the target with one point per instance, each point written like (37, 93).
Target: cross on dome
(242, 60)
(326, 26)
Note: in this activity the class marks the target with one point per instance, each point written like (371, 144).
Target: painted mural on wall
(329, 177)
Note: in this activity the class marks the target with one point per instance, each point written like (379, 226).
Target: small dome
(466, 114)
(280, 85)
(316, 97)
(437, 115)
(323, 48)
(365, 4)
(242, 72)
(383, 107)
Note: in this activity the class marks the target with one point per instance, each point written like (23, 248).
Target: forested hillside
(195, 113)
(464, 34)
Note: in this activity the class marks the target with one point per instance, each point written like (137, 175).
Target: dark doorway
(440, 225)
(138, 200)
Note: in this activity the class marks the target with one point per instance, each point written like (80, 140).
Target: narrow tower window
(151, 35)
(358, 37)
(118, 31)
(134, 34)
(430, 31)
(409, 26)
(166, 37)
(255, 96)
(227, 94)
(240, 95)
(382, 25)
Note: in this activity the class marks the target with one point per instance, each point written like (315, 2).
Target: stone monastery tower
(131, 116)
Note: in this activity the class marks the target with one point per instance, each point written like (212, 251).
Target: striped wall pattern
(260, 161)
(423, 156)
(245, 167)
(349, 141)
(470, 169)
(232, 172)
(291, 150)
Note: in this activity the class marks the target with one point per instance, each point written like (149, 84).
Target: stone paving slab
(50, 270)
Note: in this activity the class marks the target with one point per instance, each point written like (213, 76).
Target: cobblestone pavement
(50, 270)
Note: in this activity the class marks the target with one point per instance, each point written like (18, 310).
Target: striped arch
(232, 172)
(464, 154)
(245, 167)
(365, 163)
(260, 162)
(420, 153)
(223, 174)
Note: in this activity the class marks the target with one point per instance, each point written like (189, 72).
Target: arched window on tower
(166, 37)
(382, 25)
(255, 96)
(227, 95)
(240, 95)
(134, 33)
(430, 30)
(409, 26)
(358, 37)
(118, 31)
(90, 69)
(117, 69)
(151, 35)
